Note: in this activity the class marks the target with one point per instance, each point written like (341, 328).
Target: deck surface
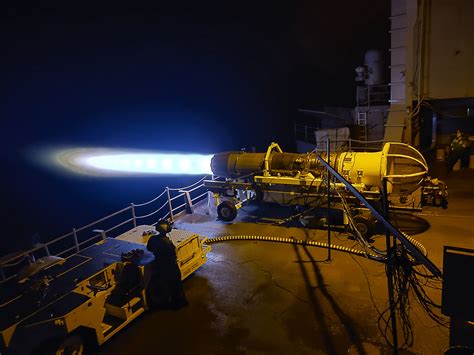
(262, 297)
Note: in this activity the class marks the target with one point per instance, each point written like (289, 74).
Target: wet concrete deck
(261, 297)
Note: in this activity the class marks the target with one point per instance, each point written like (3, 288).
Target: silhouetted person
(166, 288)
(459, 149)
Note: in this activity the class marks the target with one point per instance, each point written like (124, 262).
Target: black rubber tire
(365, 225)
(70, 344)
(226, 211)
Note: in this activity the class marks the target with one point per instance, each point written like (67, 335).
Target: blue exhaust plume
(110, 162)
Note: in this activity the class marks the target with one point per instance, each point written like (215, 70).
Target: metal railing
(170, 203)
(355, 144)
(368, 95)
(306, 133)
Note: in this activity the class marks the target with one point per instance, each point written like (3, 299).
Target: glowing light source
(166, 164)
(98, 161)
(184, 164)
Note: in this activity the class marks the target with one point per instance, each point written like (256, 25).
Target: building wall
(432, 57)
(398, 51)
(449, 71)
(376, 122)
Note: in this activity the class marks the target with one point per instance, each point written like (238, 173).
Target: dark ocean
(191, 79)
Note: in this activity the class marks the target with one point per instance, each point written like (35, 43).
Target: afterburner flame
(115, 162)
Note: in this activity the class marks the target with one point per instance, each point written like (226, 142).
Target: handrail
(177, 196)
(152, 200)
(194, 188)
(308, 132)
(32, 250)
(186, 187)
(103, 219)
(178, 207)
(199, 196)
(119, 225)
(152, 213)
(96, 236)
(349, 144)
(77, 244)
(359, 141)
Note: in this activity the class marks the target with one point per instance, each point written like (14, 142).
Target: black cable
(409, 282)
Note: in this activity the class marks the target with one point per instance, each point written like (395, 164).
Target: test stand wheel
(226, 211)
(70, 344)
(365, 225)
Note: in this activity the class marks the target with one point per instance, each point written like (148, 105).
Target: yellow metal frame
(271, 147)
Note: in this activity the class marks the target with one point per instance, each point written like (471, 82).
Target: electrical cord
(407, 281)
(362, 241)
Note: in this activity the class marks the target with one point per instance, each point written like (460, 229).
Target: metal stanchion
(169, 203)
(134, 217)
(390, 255)
(329, 197)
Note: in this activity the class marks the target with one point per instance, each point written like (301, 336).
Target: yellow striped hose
(292, 240)
(416, 243)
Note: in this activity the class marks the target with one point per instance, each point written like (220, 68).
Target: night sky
(184, 78)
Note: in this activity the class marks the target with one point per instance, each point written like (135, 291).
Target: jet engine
(301, 179)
